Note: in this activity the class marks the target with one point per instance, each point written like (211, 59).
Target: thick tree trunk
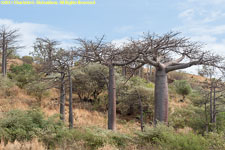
(62, 97)
(161, 96)
(70, 101)
(112, 99)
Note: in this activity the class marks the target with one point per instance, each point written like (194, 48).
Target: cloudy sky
(201, 20)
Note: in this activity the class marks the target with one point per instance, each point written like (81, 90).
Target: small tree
(8, 44)
(183, 88)
(27, 59)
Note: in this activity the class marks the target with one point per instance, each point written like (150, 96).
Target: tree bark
(206, 119)
(161, 96)
(214, 104)
(70, 101)
(112, 99)
(141, 112)
(3, 56)
(124, 71)
(211, 102)
(62, 97)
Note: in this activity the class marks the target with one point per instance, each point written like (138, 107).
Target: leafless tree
(167, 53)
(53, 60)
(109, 55)
(8, 44)
(214, 92)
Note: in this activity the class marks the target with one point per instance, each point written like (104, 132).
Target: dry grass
(15, 98)
(32, 145)
(108, 147)
(14, 62)
(185, 130)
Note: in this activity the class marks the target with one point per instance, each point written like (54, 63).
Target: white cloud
(30, 31)
(120, 42)
(187, 14)
(204, 21)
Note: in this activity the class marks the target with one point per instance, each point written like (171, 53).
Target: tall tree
(109, 55)
(8, 44)
(214, 88)
(67, 58)
(167, 53)
(51, 60)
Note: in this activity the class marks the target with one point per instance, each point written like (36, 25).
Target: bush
(26, 125)
(23, 74)
(167, 139)
(6, 86)
(89, 82)
(182, 87)
(215, 141)
(27, 59)
(38, 90)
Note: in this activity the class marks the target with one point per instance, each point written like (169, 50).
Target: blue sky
(201, 20)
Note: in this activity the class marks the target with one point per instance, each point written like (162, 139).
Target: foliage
(37, 89)
(189, 116)
(6, 86)
(26, 125)
(27, 59)
(215, 140)
(90, 81)
(182, 87)
(220, 122)
(23, 74)
(130, 94)
(166, 138)
(6, 83)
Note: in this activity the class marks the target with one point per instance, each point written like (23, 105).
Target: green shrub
(26, 125)
(38, 90)
(216, 141)
(27, 59)
(23, 74)
(6, 86)
(182, 87)
(96, 137)
(167, 139)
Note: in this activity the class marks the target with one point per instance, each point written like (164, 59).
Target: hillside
(90, 120)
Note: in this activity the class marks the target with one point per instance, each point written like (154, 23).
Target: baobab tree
(109, 55)
(167, 53)
(64, 62)
(8, 44)
(56, 60)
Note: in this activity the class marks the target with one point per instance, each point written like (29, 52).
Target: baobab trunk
(70, 101)
(141, 112)
(112, 99)
(214, 104)
(161, 96)
(3, 57)
(3, 63)
(62, 97)
(211, 102)
(124, 71)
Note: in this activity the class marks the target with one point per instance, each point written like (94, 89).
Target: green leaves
(182, 87)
